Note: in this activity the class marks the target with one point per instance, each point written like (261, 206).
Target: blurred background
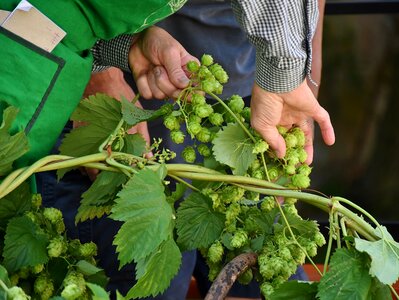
(360, 91)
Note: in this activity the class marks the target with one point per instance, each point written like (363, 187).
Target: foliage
(242, 199)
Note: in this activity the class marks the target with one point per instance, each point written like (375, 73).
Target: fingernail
(157, 72)
(184, 80)
(176, 94)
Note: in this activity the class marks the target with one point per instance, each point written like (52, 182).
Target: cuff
(279, 74)
(112, 53)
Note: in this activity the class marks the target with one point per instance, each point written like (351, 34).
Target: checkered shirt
(281, 30)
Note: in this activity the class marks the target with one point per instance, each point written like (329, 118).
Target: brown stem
(229, 274)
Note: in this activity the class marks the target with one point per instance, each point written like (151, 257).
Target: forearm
(282, 32)
(317, 51)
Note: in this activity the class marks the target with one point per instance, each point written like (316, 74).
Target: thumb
(174, 64)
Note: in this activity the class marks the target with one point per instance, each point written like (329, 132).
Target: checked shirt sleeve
(282, 32)
(112, 53)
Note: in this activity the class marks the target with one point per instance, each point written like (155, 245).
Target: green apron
(46, 87)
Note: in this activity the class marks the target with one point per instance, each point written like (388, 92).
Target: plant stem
(239, 122)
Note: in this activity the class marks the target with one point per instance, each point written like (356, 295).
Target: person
(54, 81)
(158, 74)
(210, 20)
(206, 26)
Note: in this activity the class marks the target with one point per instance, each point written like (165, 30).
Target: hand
(157, 61)
(298, 107)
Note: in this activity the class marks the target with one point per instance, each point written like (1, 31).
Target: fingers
(327, 131)
(173, 63)
(308, 129)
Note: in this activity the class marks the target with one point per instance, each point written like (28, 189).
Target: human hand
(298, 107)
(157, 62)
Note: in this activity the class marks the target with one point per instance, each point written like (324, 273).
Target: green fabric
(47, 87)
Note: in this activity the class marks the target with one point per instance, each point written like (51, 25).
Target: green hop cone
(311, 248)
(193, 66)
(267, 289)
(302, 155)
(273, 173)
(246, 113)
(204, 73)
(37, 268)
(74, 285)
(194, 128)
(208, 85)
(268, 204)
(188, 154)
(177, 136)
(282, 130)
(239, 239)
(304, 170)
(246, 277)
(300, 136)
(198, 99)
(204, 135)
(206, 60)
(290, 140)
(261, 146)
(36, 201)
(204, 150)
(289, 169)
(193, 118)
(219, 73)
(52, 214)
(300, 181)
(236, 104)
(203, 110)
(216, 119)
(42, 283)
(215, 252)
(171, 122)
(319, 239)
(88, 249)
(56, 247)
(16, 293)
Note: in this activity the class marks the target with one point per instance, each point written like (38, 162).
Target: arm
(282, 36)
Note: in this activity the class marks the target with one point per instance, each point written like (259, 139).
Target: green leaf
(347, 278)
(87, 268)
(134, 115)
(119, 296)
(24, 245)
(384, 255)
(12, 147)
(379, 290)
(101, 193)
(135, 144)
(147, 216)
(301, 227)
(295, 290)
(198, 225)
(99, 293)
(100, 114)
(233, 147)
(178, 193)
(4, 276)
(158, 271)
(15, 204)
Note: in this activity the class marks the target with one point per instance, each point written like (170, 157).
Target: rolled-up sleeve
(282, 31)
